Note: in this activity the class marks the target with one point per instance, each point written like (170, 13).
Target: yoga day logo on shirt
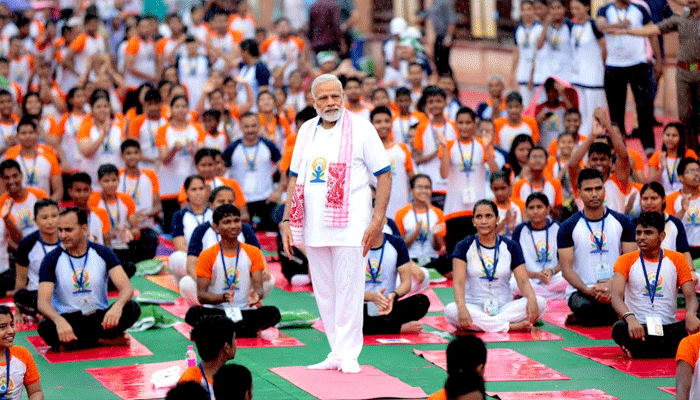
(373, 272)
(659, 286)
(318, 168)
(693, 216)
(81, 281)
(25, 219)
(486, 264)
(4, 385)
(232, 277)
(542, 251)
(466, 163)
(392, 163)
(601, 237)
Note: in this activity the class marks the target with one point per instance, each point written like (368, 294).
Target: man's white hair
(324, 79)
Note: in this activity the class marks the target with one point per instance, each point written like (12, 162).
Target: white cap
(411, 33)
(397, 25)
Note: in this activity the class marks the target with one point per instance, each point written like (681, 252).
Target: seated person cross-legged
(384, 312)
(73, 289)
(482, 267)
(589, 243)
(644, 293)
(230, 279)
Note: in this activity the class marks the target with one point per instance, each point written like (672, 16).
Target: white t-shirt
(625, 50)
(253, 166)
(466, 181)
(382, 267)
(588, 66)
(368, 157)
(526, 40)
(31, 251)
(539, 246)
(401, 166)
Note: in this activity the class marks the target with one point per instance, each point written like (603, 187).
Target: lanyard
(43, 245)
(421, 237)
(467, 167)
(672, 173)
(106, 145)
(490, 274)
(541, 258)
(134, 192)
(598, 240)
(81, 280)
(404, 127)
(6, 389)
(111, 218)
(250, 162)
(31, 173)
(206, 381)
(650, 289)
(204, 213)
(230, 282)
(374, 273)
(435, 139)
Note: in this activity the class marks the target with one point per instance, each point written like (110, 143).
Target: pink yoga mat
(179, 309)
(612, 356)
(589, 394)
(132, 349)
(435, 302)
(407, 338)
(598, 332)
(281, 282)
(132, 382)
(533, 335)
(558, 305)
(502, 365)
(283, 340)
(669, 390)
(371, 383)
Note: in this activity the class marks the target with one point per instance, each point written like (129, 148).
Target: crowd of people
(118, 128)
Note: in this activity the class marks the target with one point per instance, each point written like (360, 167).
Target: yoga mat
(557, 305)
(404, 338)
(435, 302)
(596, 333)
(268, 241)
(502, 365)
(281, 282)
(132, 382)
(446, 284)
(132, 349)
(589, 394)
(179, 309)
(113, 294)
(371, 383)
(669, 390)
(165, 281)
(533, 335)
(612, 356)
(283, 340)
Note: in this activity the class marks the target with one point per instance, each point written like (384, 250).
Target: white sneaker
(301, 280)
(327, 364)
(350, 367)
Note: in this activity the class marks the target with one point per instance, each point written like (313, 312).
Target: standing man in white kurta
(330, 213)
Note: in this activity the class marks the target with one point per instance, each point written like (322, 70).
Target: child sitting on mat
(233, 382)
(215, 338)
(463, 354)
(230, 277)
(18, 363)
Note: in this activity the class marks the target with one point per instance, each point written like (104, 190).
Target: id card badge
(491, 306)
(87, 304)
(468, 195)
(603, 272)
(654, 326)
(232, 312)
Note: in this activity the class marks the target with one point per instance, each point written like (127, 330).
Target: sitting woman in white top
(482, 266)
(644, 294)
(384, 312)
(538, 240)
(230, 279)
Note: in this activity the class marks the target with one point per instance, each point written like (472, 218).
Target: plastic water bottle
(191, 357)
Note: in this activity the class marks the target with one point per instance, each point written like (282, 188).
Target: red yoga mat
(179, 309)
(596, 333)
(132, 349)
(371, 383)
(558, 305)
(281, 282)
(502, 365)
(612, 356)
(589, 394)
(283, 340)
(446, 284)
(405, 338)
(132, 382)
(669, 390)
(533, 335)
(435, 302)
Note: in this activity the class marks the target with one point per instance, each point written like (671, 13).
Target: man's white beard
(331, 116)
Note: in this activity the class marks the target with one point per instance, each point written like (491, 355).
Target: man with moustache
(334, 155)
